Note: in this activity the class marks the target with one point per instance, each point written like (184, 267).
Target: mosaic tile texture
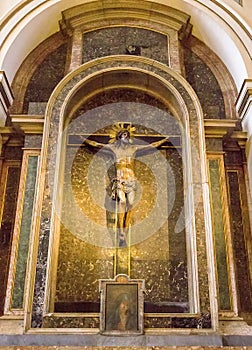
(81, 264)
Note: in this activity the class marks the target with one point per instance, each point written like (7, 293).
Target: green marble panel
(25, 230)
(219, 235)
(8, 218)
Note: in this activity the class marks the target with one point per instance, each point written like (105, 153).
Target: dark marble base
(141, 340)
(81, 306)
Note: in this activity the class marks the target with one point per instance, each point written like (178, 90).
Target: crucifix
(124, 184)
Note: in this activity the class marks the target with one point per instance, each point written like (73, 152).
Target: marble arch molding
(173, 91)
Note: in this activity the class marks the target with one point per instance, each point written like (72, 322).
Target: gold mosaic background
(81, 264)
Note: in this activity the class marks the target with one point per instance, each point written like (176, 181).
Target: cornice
(92, 15)
(218, 128)
(29, 124)
(12, 136)
(33, 124)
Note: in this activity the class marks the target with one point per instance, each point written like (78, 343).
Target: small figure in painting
(124, 316)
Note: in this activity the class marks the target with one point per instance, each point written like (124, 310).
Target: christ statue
(124, 184)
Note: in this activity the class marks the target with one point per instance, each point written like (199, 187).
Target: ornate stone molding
(11, 135)
(93, 14)
(218, 128)
(154, 17)
(29, 124)
(6, 97)
(244, 105)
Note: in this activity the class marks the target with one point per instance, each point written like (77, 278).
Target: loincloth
(126, 186)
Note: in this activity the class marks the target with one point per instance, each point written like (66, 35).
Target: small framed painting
(121, 306)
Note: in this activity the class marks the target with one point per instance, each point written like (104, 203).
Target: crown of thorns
(120, 127)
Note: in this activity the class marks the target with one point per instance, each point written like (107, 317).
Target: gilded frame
(122, 310)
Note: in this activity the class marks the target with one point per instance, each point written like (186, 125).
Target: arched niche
(163, 84)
